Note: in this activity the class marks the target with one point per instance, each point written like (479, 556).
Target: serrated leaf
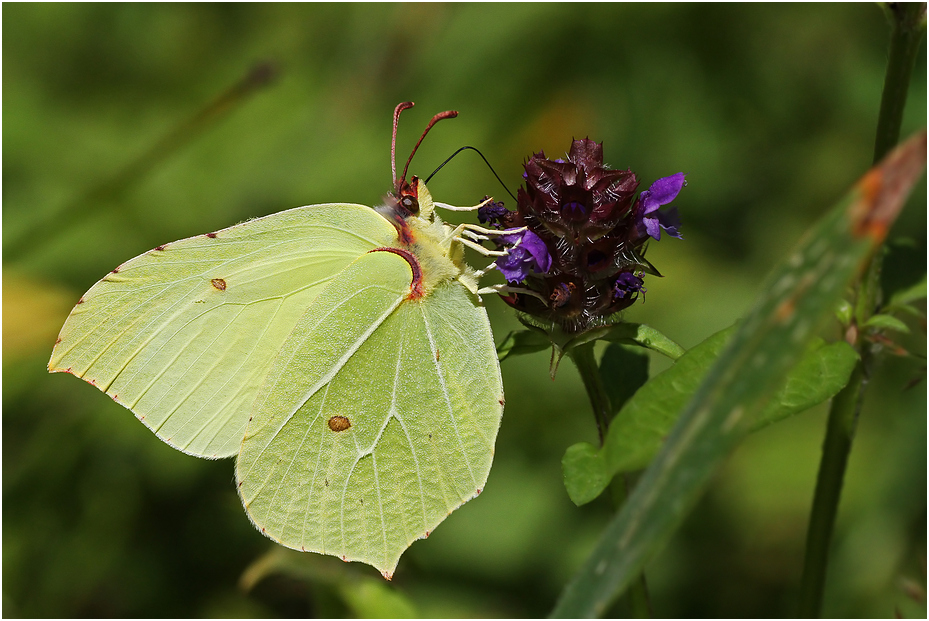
(821, 373)
(887, 322)
(585, 474)
(797, 297)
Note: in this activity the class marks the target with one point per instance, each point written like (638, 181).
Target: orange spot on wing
(219, 283)
(339, 423)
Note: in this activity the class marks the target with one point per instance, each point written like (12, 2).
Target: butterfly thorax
(431, 242)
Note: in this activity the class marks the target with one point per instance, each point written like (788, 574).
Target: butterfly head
(408, 194)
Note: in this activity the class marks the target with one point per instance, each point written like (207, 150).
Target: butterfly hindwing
(378, 419)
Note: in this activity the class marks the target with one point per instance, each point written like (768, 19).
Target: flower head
(582, 250)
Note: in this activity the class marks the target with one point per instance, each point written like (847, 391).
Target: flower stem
(586, 363)
(908, 22)
(583, 357)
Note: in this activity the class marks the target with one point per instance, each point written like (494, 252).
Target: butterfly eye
(410, 204)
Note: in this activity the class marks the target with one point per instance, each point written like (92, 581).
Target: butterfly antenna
(449, 159)
(406, 105)
(448, 114)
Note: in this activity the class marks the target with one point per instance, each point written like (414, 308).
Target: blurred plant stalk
(95, 199)
(908, 21)
(583, 357)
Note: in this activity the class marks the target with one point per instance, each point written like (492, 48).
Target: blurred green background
(770, 109)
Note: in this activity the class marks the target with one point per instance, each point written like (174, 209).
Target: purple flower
(525, 251)
(583, 255)
(627, 285)
(492, 213)
(650, 221)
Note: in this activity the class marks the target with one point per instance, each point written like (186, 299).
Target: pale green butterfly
(341, 352)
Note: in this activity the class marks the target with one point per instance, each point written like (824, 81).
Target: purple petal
(526, 251)
(627, 284)
(662, 192)
(670, 221)
(514, 266)
(652, 227)
(665, 190)
(539, 251)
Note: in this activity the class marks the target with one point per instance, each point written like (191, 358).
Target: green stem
(908, 26)
(583, 357)
(586, 363)
(840, 432)
(908, 21)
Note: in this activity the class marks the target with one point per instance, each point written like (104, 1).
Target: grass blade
(799, 296)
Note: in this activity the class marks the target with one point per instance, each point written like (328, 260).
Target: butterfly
(341, 352)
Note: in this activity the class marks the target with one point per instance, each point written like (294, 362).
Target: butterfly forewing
(185, 334)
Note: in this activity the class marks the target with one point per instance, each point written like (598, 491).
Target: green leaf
(637, 433)
(366, 597)
(585, 474)
(623, 370)
(641, 426)
(522, 342)
(821, 373)
(908, 309)
(910, 294)
(644, 336)
(887, 322)
(375, 600)
(844, 312)
(798, 296)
